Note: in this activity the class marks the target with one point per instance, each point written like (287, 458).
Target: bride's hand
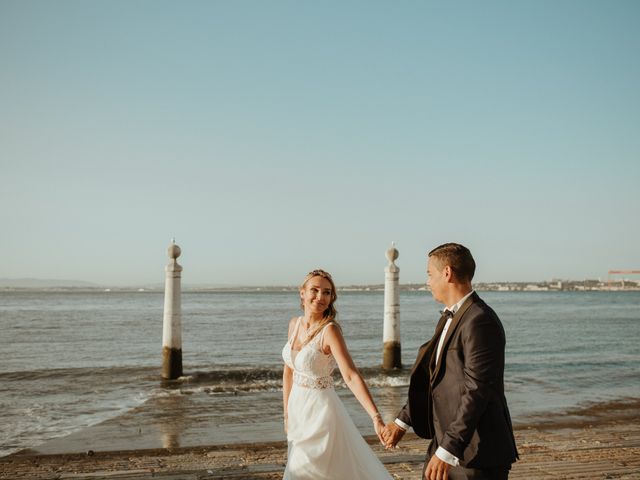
(378, 426)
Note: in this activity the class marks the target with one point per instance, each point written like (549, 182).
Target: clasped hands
(389, 434)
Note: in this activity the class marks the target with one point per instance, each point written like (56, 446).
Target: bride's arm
(334, 343)
(287, 380)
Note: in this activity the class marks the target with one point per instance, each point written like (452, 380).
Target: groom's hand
(437, 469)
(392, 434)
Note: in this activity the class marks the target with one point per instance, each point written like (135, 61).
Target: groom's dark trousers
(458, 402)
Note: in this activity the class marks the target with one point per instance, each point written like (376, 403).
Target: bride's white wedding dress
(323, 442)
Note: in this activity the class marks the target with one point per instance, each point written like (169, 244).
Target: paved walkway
(604, 451)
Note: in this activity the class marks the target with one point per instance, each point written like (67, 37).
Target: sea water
(74, 359)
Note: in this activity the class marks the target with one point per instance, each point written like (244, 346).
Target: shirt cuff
(401, 424)
(445, 456)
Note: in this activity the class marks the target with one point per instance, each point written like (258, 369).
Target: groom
(456, 390)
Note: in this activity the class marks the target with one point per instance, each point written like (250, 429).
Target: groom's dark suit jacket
(461, 405)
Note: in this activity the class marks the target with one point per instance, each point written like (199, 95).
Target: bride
(323, 441)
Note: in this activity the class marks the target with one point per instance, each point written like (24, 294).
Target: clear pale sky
(273, 137)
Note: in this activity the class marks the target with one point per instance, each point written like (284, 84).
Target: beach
(601, 441)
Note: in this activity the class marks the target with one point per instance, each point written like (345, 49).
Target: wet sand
(598, 442)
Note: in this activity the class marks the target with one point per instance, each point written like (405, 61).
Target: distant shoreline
(572, 286)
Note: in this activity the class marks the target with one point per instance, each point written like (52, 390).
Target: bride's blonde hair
(330, 313)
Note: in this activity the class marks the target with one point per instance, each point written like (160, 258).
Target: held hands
(391, 435)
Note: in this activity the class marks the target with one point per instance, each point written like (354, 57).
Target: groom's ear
(447, 272)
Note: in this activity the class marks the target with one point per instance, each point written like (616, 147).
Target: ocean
(71, 360)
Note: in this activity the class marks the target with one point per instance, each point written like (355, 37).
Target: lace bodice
(311, 367)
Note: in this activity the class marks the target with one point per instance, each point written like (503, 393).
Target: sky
(270, 138)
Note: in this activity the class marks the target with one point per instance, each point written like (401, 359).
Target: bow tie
(447, 313)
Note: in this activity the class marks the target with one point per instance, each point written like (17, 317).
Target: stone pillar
(172, 323)
(391, 333)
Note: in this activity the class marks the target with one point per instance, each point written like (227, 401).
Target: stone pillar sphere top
(174, 251)
(392, 253)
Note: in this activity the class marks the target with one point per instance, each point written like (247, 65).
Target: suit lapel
(421, 354)
(455, 321)
(426, 350)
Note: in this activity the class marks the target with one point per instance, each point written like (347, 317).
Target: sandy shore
(599, 442)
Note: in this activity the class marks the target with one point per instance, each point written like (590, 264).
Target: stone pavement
(607, 450)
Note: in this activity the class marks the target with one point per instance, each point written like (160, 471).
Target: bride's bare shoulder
(292, 324)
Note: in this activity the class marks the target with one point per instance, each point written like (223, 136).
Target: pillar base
(171, 363)
(391, 356)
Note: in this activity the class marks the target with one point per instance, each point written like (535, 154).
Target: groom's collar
(454, 308)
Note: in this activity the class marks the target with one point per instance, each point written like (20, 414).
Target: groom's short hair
(458, 257)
